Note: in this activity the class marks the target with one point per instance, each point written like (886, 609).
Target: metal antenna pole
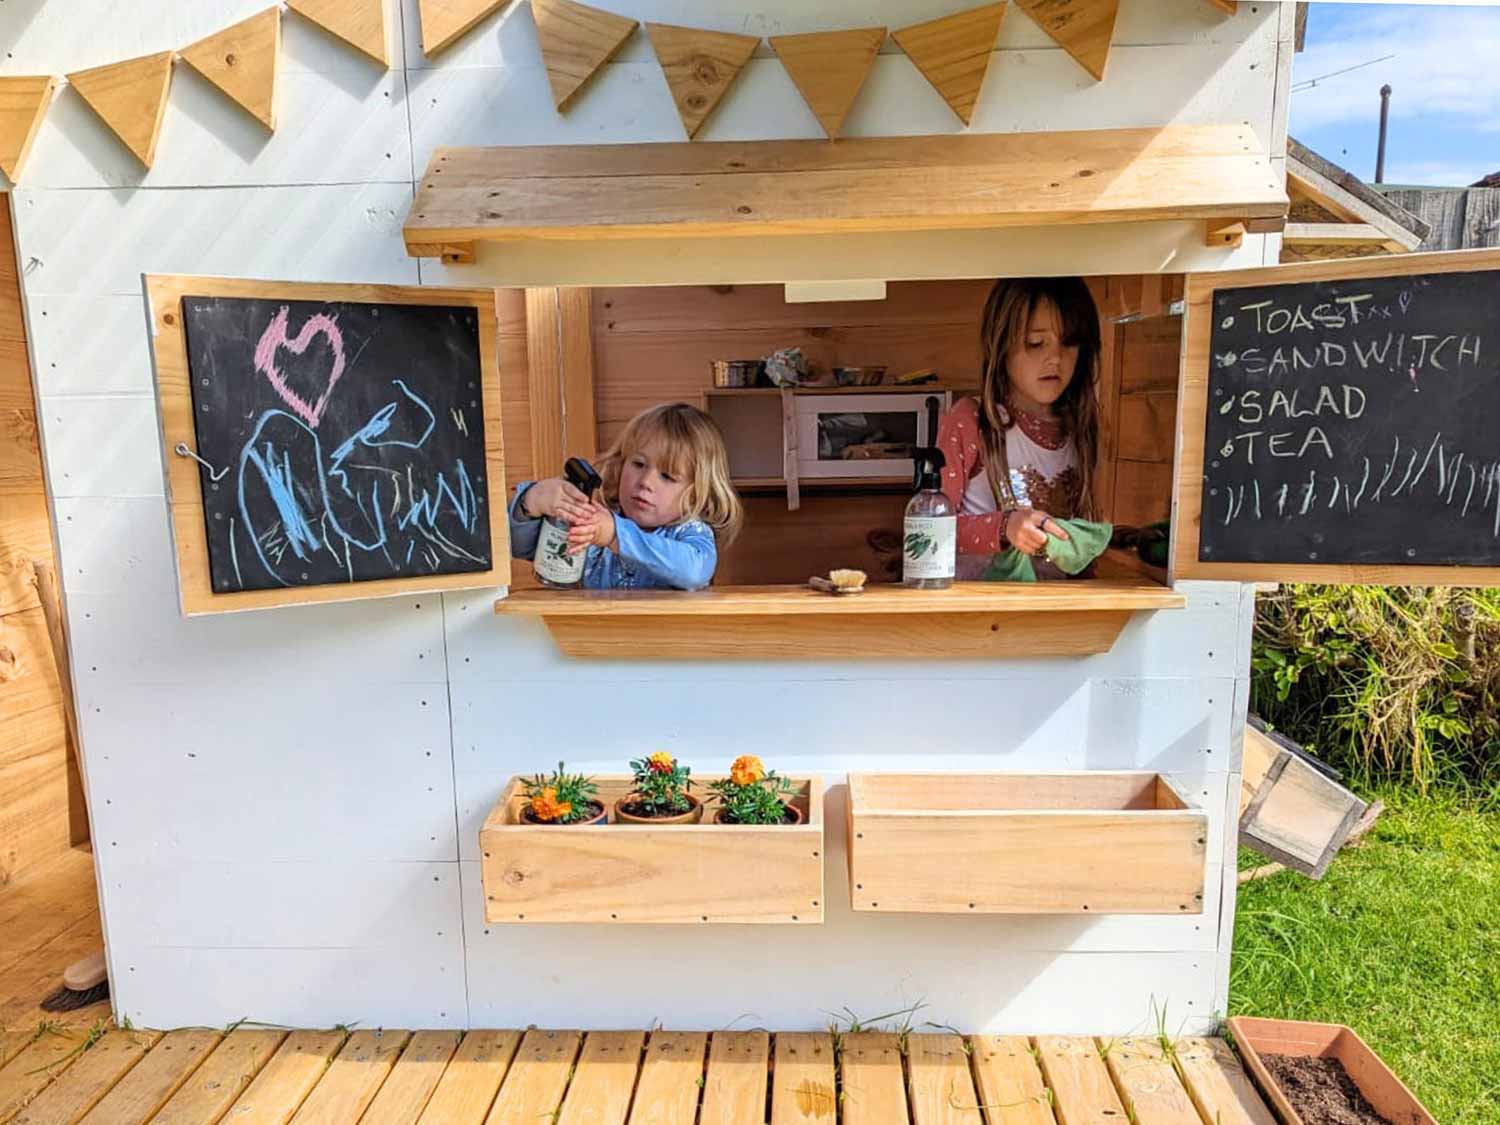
(1385, 110)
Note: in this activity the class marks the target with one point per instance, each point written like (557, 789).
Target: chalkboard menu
(337, 442)
(1354, 422)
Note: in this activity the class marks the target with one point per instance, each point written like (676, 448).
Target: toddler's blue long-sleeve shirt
(681, 556)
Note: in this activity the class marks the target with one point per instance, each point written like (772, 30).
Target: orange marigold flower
(546, 806)
(662, 762)
(747, 770)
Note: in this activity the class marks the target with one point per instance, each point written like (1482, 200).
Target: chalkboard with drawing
(1353, 421)
(337, 442)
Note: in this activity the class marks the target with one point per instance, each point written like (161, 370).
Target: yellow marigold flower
(546, 806)
(747, 770)
(662, 762)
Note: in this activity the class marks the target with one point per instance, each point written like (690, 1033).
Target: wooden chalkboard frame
(174, 404)
(1192, 416)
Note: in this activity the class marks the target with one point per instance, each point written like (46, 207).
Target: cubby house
(302, 794)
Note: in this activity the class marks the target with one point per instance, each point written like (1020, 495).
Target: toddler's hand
(595, 529)
(1027, 529)
(555, 497)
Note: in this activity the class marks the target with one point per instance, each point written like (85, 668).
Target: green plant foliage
(562, 797)
(758, 798)
(661, 785)
(1385, 682)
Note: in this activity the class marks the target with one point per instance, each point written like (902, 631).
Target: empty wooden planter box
(1014, 843)
(638, 873)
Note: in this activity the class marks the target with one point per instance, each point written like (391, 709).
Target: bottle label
(552, 562)
(929, 546)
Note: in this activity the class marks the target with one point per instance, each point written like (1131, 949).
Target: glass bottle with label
(929, 534)
(553, 564)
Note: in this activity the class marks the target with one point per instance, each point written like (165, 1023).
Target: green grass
(1400, 940)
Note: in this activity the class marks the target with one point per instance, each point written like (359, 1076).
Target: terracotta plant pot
(793, 809)
(692, 816)
(599, 817)
(1386, 1093)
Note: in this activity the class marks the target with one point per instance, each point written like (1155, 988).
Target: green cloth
(1086, 541)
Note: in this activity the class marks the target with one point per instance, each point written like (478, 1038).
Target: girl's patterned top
(681, 556)
(1044, 474)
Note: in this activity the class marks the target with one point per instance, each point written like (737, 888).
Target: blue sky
(1445, 77)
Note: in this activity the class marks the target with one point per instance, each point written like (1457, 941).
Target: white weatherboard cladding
(285, 803)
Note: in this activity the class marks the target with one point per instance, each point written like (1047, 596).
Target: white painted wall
(286, 803)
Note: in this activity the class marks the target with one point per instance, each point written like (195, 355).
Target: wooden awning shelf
(1217, 173)
(970, 620)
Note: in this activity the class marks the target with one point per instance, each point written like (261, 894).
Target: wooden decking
(194, 1076)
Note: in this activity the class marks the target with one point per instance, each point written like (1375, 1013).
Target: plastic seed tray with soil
(1321, 1091)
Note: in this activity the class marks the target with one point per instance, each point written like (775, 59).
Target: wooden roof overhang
(1217, 174)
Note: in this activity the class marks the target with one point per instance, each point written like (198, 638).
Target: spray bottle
(553, 564)
(929, 536)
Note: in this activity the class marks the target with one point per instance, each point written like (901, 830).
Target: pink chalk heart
(275, 337)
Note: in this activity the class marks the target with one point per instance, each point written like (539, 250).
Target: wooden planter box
(1380, 1086)
(631, 873)
(1014, 843)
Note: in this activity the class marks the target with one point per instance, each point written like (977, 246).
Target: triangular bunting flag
(953, 53)
(576, 41)
(23, 104)
(700, 66)
(443, 21)
(131, 97)
(241, 60)
(359, 23)
(1083, 28)
(829, 67)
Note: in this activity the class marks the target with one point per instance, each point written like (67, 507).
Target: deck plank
(534, 1088)
(284, 1083)
(92, 1075)
(874, 1082)
(604, 1080)
(29, 980)
(1217, 1083)
(939, 1082)
(1010, 1082)
(671, 1079)
(405, 1093)
(803, 1090)
(467, 1089)
(350, 1084)
(734, 1088)
(137, 1097)
(222, 1078)
(43, 902)
(1082, 1091)
(36, 1066)
(1149, 1085)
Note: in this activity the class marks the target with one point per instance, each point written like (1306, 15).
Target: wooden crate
(1014, 843)
(630, 873)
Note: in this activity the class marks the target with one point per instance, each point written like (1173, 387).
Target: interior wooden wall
(1146, 422)
(34, 770)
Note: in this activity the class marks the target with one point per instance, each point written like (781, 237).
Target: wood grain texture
(829, 69)
(243, 61)
(699, 66)
(1148, 1083)
(533, 1088)
(729, 188)
(359, 23)
(131, 98)
(803, 1091)
(1187, 486)
(349, 1086)
(50, 594)
(1010, 1083)
(184, 482)
(444, 22)
(282, 1085)
(953, 53)
(1081, 1086)
(1301, 817)
(604, 1080)
(1216, 1081)
(1083, 28)
(1024, 844)
(80, 1088)
(152, 1082)
(23, 103)
(544, 380)
(681, 874)
(405, 1093)
(873, 1081)
(30, 1071)
(734, 1087)
(218, 1082)
(468, 1087)
(580, 430)
(939, 1082)
(671, 1077)
(576, 40)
